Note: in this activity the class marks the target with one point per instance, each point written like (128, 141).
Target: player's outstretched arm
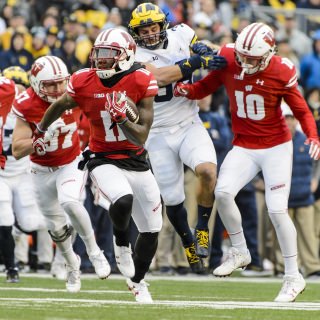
(165, 75)
(56, 109)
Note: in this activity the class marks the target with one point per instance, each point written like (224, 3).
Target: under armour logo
(69, 111)
(261, 82)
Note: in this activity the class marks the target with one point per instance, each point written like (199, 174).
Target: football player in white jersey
(177, 136)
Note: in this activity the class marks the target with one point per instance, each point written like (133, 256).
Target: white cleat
(124, 260)
(291, 287)
(73, 283)
(140, 291)
(58, 270)
(101, 265)
(235, 260)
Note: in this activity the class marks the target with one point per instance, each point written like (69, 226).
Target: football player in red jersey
(57, 180)
(116, 158)
(7, 94)
(256, 82)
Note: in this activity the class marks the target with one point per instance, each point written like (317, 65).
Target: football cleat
(291, 287)
(58, 270)
(235, 260)
(194, 260)
(101, 265)
(13, 275)
(124, 259)
(73, 283)
(140, 291)
(202, 242)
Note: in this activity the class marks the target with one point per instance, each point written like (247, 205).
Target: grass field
(194, 298)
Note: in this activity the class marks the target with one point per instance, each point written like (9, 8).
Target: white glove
(53, 129)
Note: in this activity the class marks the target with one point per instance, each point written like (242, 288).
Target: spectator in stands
(67, 53)
(310, 65)
(301, 201)
(16, 55)
(298, 40)
(39, 47)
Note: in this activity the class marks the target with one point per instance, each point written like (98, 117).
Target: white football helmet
(254, 48)
(48, 70)
(113, 52)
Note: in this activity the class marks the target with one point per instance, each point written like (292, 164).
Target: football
(132, 110)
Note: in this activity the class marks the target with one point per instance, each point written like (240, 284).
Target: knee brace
(120, 212)
(61, 235)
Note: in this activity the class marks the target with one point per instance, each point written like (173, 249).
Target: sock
(204, 214)
(177, 215)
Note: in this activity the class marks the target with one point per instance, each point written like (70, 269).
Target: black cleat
(194, 260)
(202, 242)
(12, 275)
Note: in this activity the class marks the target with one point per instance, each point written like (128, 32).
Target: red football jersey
(64, 147)
(257, 120)
(83, 131)
(7, 94)
(86, 89)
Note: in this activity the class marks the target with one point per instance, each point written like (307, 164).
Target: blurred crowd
(67, 29)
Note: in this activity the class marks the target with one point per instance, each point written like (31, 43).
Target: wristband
(39, 129)
(123, 121)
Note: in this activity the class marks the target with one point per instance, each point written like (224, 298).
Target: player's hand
(53, 128)
(200, 48)
(116, 107)
(314, 150)
(3, 159)
(181, 89)
(38, 144)
(211, 61)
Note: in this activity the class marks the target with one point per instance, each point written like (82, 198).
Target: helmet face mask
(49, 78)
(254, 48)
(150, 16)
(113, 52)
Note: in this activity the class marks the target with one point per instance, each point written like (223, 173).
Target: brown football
(132, 110)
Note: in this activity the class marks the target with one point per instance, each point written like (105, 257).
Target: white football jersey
(168, 109)
(13, 167)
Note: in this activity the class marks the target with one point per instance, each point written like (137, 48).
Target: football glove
(38, 144)
(200, 48)
(117, 107)
(181, 89)
(208, 61)
(314, 150)
(53, 128)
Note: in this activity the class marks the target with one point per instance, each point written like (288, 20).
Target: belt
(38, 168)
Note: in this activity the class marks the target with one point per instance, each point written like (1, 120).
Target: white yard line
(173, 304)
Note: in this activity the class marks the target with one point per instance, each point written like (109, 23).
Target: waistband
(39, 168)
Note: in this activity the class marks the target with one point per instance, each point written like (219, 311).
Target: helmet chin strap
(245, 68)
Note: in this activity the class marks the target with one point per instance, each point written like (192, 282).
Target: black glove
(211, 61)
(200, 48)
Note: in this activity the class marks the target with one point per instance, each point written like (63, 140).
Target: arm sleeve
(301, 111)
(205, 86)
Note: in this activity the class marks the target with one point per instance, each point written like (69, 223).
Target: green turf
(109, 299)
